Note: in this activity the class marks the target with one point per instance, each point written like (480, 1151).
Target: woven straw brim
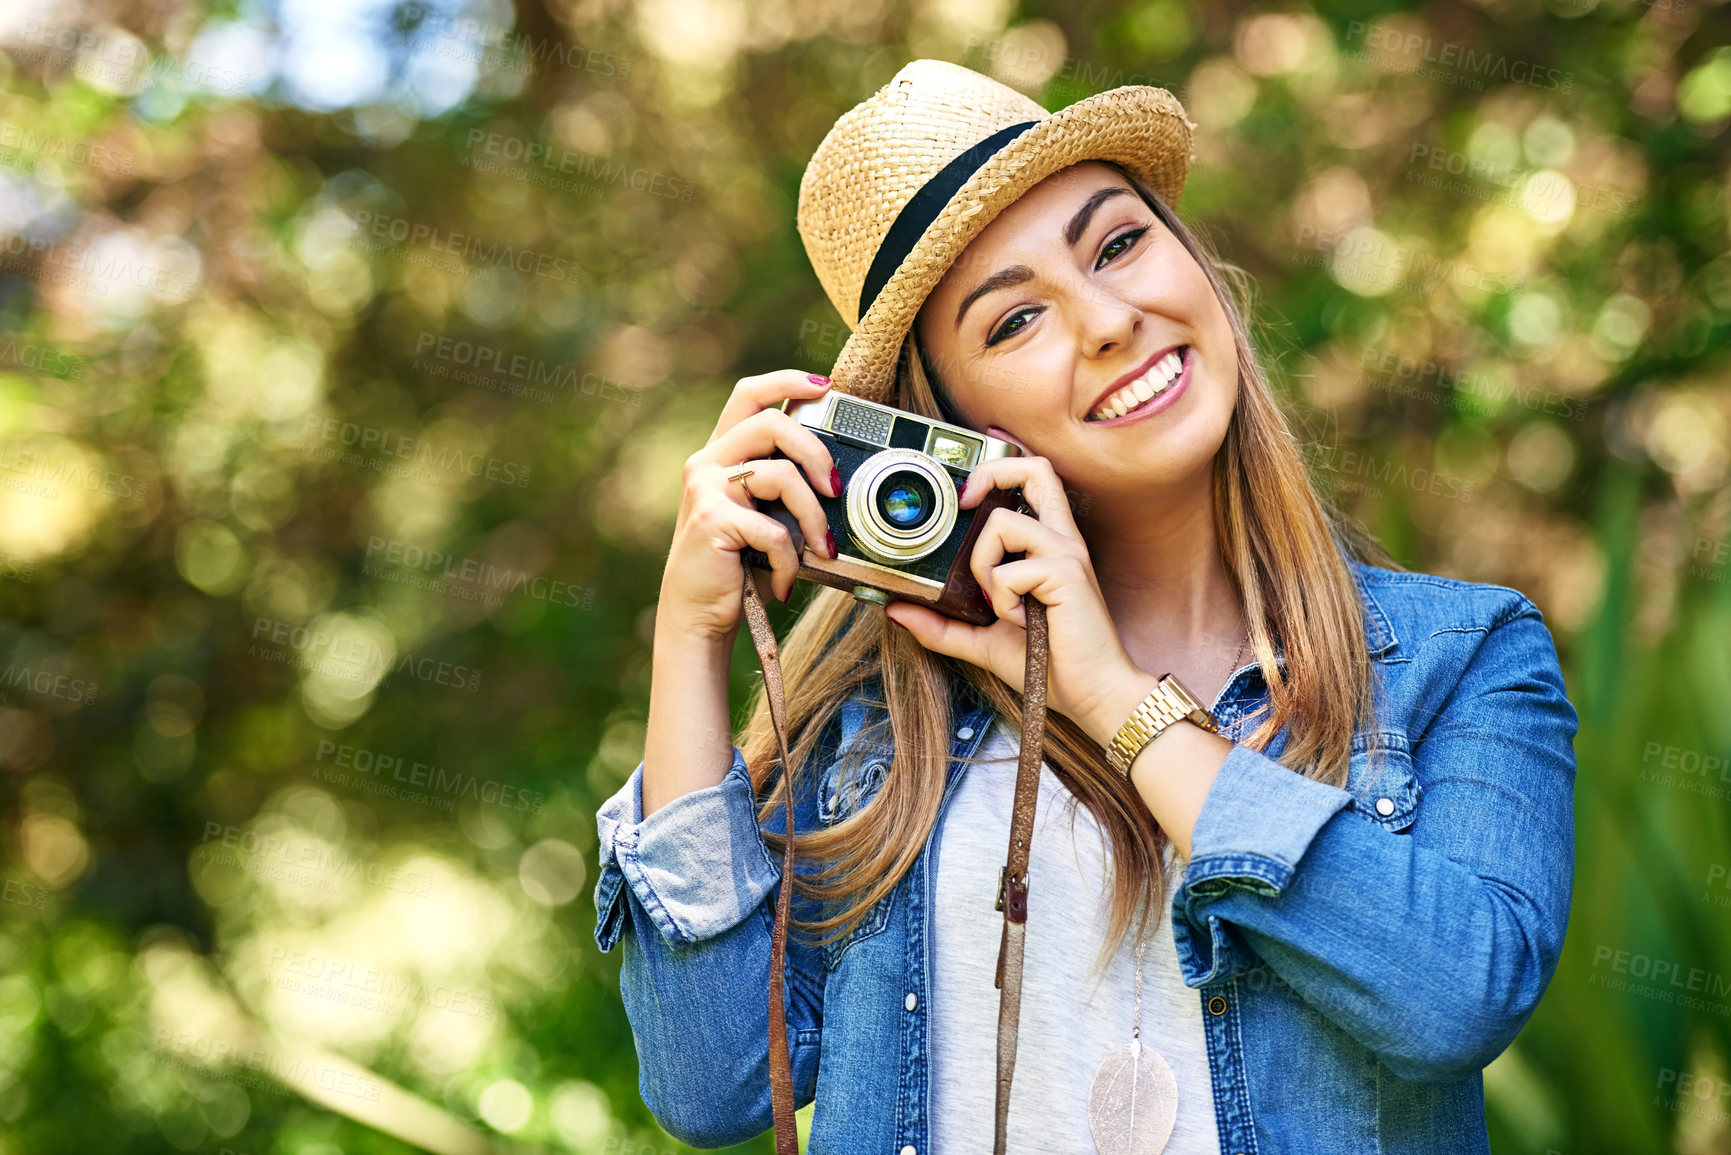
(1140, 127)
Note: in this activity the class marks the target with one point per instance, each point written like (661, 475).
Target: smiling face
(1080, 324)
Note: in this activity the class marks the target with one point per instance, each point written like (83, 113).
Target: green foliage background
(1490, 240)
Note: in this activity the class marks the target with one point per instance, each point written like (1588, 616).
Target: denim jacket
(1360, 953)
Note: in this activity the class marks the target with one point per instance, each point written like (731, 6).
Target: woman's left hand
(1091, 675)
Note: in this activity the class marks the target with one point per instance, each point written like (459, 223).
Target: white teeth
(1156, 380)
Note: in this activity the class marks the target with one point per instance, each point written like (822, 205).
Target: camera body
(899, 527)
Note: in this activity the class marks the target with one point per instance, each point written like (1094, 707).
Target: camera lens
(901, 506)
(906, 500)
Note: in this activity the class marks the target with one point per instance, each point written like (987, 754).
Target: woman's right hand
(700, 590)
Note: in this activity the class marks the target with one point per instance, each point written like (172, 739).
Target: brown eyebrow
(1018, 274)
(1002, 279)
(1079, 223)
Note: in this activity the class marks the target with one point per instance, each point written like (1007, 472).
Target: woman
(1347, 902)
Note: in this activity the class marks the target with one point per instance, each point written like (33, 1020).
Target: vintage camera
(899, 527)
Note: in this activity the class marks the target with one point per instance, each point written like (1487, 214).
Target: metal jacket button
(1385, 806)
(965, 733)
(908, 1150)
(1216, 1005)
(911, 1001)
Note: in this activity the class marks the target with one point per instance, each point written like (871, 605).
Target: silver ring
(739, 474)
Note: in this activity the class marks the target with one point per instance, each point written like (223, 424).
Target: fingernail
(816, 380)
(829, 540)
(782, 598)
(835, 482)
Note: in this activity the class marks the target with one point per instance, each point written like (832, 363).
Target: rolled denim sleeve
(697, 866)
(695, 990)
(1430, 946)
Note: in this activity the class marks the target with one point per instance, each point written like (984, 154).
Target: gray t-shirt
(1071, 1018)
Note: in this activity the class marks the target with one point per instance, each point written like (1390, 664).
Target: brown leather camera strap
(1013, 889)
(780, 1061)
(1013, 883)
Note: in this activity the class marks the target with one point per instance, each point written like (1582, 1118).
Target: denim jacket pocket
(847, 784)
(1380, 779)
(875, 920)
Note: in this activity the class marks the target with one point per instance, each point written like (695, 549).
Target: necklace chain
(1238, 658)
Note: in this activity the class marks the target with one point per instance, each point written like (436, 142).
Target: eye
(1118, 246)
(1012, 325)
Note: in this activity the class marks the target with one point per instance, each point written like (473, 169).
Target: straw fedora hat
(907, 178)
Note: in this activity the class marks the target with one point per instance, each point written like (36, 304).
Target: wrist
(693, 639)
(1115, 706)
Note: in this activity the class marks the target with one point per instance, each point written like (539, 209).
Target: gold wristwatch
(1170, 702)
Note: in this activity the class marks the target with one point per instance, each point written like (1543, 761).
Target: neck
(1157, 558)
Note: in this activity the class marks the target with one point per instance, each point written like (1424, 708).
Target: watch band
(1168, 703)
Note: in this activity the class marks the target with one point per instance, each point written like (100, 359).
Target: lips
(1150, 381)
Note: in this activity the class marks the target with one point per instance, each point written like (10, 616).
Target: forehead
(1036, 218)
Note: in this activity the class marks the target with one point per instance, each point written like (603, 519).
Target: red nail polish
(835, 481)
(829, 541)
(816, 380)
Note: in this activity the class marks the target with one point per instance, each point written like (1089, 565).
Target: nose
(1106, 322)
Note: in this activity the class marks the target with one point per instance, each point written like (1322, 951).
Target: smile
(1154, 389)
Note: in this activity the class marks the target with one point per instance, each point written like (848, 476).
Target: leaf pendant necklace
(1133, 1102)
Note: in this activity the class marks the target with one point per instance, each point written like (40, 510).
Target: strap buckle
(1017, 888)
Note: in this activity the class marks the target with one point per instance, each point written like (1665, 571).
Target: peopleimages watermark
(1718, 879)
(1684, 769)
(41, 358)
(368, 988)
(455, 252)
(49, 474)
(1708, 1090)
(45, 683)
(1449, 61)
(1396, 264)
(351, 656)
(22, 147)
(505, 50)
(123, 60)
(1536, 189)
(1660, 979)
(303, 862)
(90, 271)
(26, 894)
(1365, 472)
(376, 771)
(388, 444)
(1710, 560)
(497, 152)
(1021, 57)
(1428, 379)
(820, 342)
(468, 578)
(175, 1048)
(477, 363)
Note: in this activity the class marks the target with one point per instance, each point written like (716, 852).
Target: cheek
(1016, 391)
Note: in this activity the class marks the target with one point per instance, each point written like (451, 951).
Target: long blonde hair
(1282, 543)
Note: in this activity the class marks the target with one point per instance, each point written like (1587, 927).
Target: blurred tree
(348, 354)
